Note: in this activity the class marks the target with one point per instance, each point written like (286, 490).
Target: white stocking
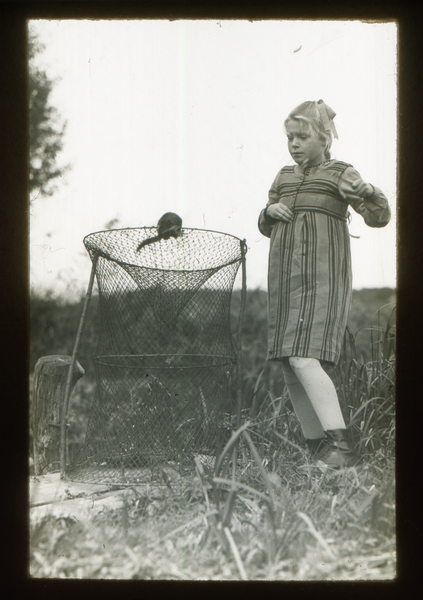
(321, 391)
(310, 424)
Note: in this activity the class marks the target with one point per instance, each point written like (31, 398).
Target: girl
(309, 279)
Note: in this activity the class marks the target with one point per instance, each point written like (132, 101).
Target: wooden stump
(50, 375)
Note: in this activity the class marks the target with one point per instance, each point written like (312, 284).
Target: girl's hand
(355, 189)
(280, 211)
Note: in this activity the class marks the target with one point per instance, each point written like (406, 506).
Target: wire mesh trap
(165, 352)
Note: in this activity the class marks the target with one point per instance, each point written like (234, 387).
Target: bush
(54, 324)
(370, 308)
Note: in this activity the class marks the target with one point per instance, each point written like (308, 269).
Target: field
(262, 510)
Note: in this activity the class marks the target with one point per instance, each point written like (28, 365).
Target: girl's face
(304, 145)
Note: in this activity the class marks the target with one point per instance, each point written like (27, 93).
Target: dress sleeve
(265, 223)
(374, 209)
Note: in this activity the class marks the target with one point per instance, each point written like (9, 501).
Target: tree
(46, 130)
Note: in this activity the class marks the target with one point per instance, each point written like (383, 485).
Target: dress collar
(299, 171)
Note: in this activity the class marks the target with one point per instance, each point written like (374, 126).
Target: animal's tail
(151, 240)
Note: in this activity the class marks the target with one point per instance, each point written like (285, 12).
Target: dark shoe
(333, 450)
(339, 454)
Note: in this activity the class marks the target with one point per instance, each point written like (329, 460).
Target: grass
(319, 526)
(263, 510)
(367, 390)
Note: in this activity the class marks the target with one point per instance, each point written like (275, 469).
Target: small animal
(169, 225)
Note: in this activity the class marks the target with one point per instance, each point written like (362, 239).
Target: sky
(187, 116)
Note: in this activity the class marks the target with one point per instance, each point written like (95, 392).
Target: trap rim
(154, 227)
(119, 262)
(226, 360)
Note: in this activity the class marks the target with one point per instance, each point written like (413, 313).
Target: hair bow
(327, 115)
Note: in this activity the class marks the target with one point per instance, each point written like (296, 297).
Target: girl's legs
(321, 391)
(316, 404)
(310, 423)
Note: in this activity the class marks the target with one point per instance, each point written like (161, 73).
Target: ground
(292, 521)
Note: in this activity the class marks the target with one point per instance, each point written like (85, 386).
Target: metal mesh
(165, 351)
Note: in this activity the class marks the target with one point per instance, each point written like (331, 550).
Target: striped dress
(309, 277)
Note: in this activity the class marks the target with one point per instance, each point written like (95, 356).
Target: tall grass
(275, 466)
(276, 479)
(367, 389)
(264, 510)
